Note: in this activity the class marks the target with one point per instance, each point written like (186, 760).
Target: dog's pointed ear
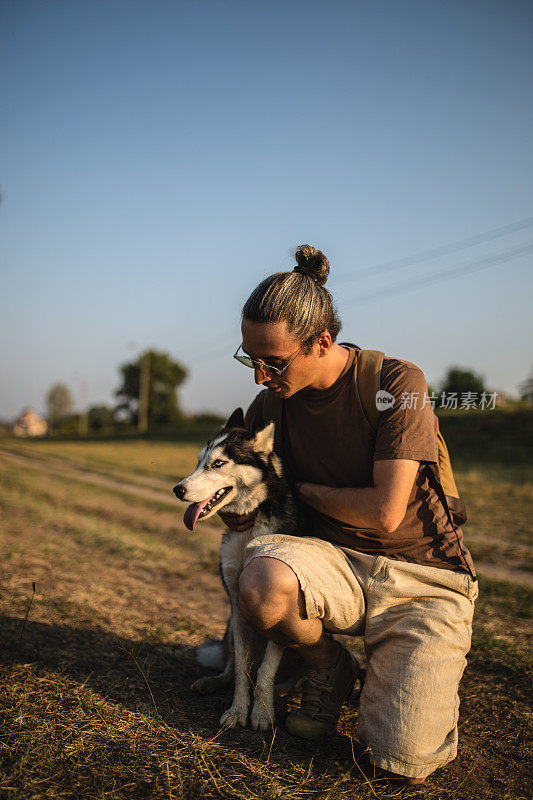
(236, 420)
(263, 440)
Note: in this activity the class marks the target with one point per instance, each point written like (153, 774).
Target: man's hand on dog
(238, 522)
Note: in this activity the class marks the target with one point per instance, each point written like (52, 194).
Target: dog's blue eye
(218, 463)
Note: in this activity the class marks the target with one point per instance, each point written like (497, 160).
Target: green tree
(461, 380)
(526, 389)
(101, 418)
(164, 378)
(59, 403)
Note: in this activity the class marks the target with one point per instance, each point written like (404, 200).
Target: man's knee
(268, 588)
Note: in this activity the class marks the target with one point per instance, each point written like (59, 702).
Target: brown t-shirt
(328, 440)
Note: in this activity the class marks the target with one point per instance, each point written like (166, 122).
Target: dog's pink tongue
(192, 513)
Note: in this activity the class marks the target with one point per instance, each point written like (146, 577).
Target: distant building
(30, 424)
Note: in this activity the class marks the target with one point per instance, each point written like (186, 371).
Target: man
(380, 558)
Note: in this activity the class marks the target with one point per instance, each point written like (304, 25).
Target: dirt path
(57, 466)
(520, 576)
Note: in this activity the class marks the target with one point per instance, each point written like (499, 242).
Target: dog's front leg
(262, 716)
(237, 714)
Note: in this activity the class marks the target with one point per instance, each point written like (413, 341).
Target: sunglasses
(269, 369)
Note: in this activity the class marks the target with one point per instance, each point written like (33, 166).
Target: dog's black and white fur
(240, 472)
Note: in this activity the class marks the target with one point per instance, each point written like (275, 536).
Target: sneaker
(323, 693)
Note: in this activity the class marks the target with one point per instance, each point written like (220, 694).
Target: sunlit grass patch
(92, 516)
(499, 501)
(99, 556)
(164, 460)
(501, 656)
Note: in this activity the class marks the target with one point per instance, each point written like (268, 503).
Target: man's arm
(380, 507)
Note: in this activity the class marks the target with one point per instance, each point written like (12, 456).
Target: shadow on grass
(155, 679)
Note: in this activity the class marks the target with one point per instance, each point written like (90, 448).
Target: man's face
(271, 342)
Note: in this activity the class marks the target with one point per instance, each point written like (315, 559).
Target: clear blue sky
(159, 158)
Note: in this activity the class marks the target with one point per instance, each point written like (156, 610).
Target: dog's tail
(213, 653)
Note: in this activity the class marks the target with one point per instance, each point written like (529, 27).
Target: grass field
(94, 695)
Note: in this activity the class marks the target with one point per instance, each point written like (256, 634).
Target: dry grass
(499, 502)
(90, 747)
(94, 695)
(165, 461)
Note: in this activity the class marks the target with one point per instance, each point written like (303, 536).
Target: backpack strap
(448, 482)
(432, 473)
(367, 380)
(367, 383)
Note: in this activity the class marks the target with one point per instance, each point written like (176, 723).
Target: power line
(463, 269)
(434, 252)
(223, 347)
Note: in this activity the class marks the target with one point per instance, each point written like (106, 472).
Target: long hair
(298, 298)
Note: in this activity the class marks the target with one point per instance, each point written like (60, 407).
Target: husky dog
(240, 472)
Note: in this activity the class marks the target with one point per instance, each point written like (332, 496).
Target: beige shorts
(417, 627)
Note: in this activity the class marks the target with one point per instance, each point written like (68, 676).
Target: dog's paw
(234, 717)
(262, 717)
(205, 685)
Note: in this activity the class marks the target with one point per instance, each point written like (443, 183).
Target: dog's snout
(179, 491)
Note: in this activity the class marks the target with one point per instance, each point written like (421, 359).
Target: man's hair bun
(303, 303)
(313, 263)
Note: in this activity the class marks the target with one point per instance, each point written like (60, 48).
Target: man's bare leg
(271, 600)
